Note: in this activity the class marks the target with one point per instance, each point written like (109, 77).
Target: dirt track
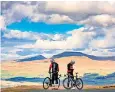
(86, 90)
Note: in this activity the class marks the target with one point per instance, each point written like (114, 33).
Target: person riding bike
(70, 68)
(54, 68)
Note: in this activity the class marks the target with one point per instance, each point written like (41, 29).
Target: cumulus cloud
(29, 35)
(99, 20)
(17, 11)
(98, 52)
(21, 35)
(2, 23)
(56, 18)
(57, 37)
(85, 38)
(80, 7)
(9, 54)
(78, 39)
(61, 12)
(107, 41)
(84, 11)
(96, 37)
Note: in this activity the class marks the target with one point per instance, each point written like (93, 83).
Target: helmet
(72, 62)
(52, 60)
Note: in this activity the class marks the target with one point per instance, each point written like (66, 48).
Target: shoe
(53, 85)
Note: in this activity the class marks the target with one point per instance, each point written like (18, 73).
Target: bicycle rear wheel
(46, 83)
(79, 83)
(67, 83)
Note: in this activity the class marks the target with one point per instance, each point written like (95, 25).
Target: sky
(51, 27)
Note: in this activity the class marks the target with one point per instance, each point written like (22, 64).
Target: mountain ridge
(66, 54)
(37, 57)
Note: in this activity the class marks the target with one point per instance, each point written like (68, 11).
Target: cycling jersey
(70, 68)
(54, 66)
(55, 69)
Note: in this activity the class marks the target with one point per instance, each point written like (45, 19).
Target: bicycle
(48, 81)
(70, 82)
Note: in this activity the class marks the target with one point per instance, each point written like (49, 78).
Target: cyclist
(54, 68)
(70, 68)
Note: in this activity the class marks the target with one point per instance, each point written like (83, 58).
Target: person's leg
(68, 79)
(72, 76)
(53, 78)
(56, 78)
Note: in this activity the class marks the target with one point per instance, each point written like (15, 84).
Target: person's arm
(71, 67)
(68, 68)
(58, 68)
(50, 67)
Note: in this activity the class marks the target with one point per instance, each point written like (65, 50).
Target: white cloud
(29, 35)
(52, 19)
(98, 16)
(61, 12)
(2, 23)
(56, 18)
(80, 10)
(9, 56)
(78, 39)
(13, 56)
(38, 17)
(107, 41)
(58, 37)
(80, 7)
(98, 52)
(83, 38)
(21, 35)
(17, 12)
(99, 20)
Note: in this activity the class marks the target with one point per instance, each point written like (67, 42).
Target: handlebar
(70, 74)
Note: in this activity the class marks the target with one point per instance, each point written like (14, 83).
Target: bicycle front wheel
(46, 83)
(79, 83)
(67, 83)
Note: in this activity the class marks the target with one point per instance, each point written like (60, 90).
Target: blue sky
(48, 28)
(41, 27)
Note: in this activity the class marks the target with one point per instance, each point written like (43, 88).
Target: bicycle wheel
(67, 83)
(46, 83)
(79, 83)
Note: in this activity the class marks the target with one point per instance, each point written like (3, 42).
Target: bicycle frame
(73, 80)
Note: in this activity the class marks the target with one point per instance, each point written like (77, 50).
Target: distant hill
(24, 79)
(38, 57)
(88, 78)
(67, 54)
